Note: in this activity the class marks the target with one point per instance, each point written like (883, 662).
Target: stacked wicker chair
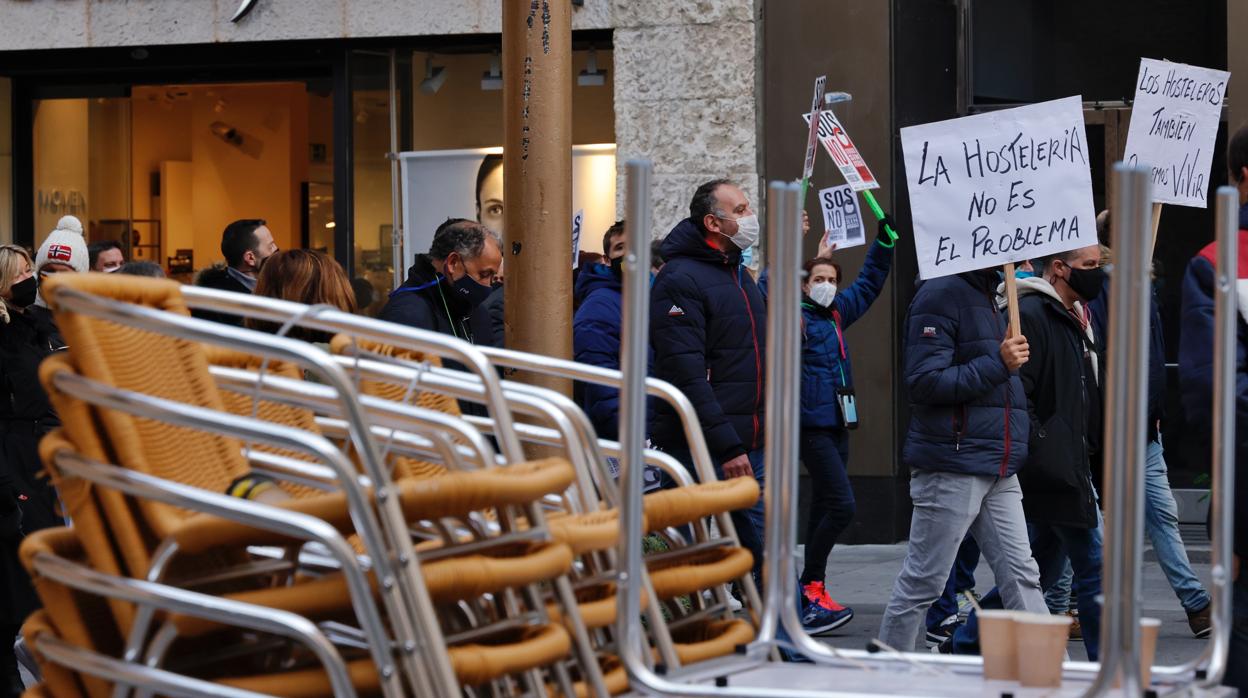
(394, 551)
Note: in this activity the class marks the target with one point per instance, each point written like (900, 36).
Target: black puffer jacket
(1061, 394)
(708, 325)
(27, 499)
(220, 279)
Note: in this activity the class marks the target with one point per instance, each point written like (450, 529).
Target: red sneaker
(815, 592)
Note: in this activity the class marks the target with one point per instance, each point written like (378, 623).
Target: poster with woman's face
(441, 184)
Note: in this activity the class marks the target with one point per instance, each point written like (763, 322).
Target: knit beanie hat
(64, 245)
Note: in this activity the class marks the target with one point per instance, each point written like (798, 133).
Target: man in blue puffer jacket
(596, 331)
(708, 324)
(1196, 381)
(968, 437)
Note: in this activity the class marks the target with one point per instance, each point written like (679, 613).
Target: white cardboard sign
(1174, 123)
(843, 152)
(842, 218)
(998, 187)
(578, 221)
(816, 106)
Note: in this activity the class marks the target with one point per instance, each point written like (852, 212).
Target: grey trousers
(946, 506)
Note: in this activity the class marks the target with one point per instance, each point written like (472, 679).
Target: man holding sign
(985, 190)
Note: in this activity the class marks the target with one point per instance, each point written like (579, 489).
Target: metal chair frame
(225, 611)
(421, 652)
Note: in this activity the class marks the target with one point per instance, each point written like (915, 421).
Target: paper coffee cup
(997, 644)
(1149, 629)
(1041, 642)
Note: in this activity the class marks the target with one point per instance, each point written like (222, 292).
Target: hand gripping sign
(999, 187)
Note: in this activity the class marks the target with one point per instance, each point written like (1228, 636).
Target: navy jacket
(708, 326)
(825, 353)
(968, 413)
(423, 301)
(1196, 366)
(1156, 353)
(596, 341)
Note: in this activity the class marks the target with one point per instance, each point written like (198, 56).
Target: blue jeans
(1083, 547)
(1237, 657)
(750, 523)
(1057, 597)
(961, 578)
(825, 452)
(1161, 523)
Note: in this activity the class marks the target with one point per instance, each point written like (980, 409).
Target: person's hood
(421, 272)
(1031, 284)
(686, 240)
(592, 278)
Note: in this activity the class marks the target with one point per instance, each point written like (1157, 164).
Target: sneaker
(964, 605)
(1199, 622)
(817, 592)
(1076, 631)
(944, 631)
(818, 620)
(945, 646)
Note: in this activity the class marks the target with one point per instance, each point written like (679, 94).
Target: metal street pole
(537, 180)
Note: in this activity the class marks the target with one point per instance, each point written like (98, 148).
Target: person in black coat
(708, 325)
(246, 244)
(27, 500)
(1062, 382)
(444, 286)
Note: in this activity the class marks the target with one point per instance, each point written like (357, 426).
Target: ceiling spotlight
(219, 106)
(361, 117)
(493, 80)
(592, 76)
(434, 77)
(836, 97)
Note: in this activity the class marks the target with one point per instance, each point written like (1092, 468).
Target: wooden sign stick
(1011, 299)
(1156, 222)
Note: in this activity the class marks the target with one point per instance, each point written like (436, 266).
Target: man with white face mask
(708, 323)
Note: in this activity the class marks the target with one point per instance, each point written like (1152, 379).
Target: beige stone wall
(685, 97)
(32, 24)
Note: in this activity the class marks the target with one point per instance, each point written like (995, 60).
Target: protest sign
(842, 219)
(812, 137)
(999, 187)
(578, 221)
(843, 152)
(1174, 122)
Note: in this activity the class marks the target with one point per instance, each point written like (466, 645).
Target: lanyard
(840, 341)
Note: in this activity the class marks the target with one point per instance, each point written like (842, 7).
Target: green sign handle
(879, 215)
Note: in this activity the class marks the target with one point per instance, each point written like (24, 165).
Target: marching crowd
(1003, 444)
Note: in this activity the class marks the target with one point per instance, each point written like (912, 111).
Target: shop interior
(169, 165)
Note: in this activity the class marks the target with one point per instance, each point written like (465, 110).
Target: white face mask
(747, 231)
(823, 293)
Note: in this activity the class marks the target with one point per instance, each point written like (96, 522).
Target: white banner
(842, 218)
(1174, 123)
(998, 187)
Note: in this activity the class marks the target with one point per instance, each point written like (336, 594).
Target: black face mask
(472, 291)
(24, 291)
(1087, 282)
(617, 267)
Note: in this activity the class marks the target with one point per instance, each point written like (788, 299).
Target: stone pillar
(686, 98)
(1237, 63)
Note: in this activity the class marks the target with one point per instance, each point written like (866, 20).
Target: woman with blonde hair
(304, 276)
(27, 500)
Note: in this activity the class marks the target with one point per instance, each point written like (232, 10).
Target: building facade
(158, 121)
